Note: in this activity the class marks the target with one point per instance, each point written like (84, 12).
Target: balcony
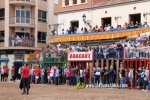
(137, 53)
(90, 36)
(22, 2)
(22, 22)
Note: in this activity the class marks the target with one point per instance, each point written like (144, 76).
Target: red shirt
(25, 71)
(48, 72)
(54, 71)
(36, 72)
(13, 70)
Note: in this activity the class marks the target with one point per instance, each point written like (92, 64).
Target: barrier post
(90, 79)
(117, 72)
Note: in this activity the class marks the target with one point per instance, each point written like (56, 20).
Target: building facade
(101, 13)
(24, 27)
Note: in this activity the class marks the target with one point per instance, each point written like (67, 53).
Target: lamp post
(116, 19)
(145, 15)
(86, 21)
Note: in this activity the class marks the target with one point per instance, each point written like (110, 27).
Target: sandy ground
(11, 91)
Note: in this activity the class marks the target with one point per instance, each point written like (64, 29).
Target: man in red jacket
(25, 78)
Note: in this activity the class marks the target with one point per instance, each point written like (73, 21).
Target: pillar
(112, 63)
(117, 72)
(97, 63)
(107, 62)
(102, 63)
(90, 78)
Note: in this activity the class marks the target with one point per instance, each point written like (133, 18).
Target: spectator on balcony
(108, 28)
(75, 30)
(100, 51)
(125, 26)
(82, 31)
(111, 29)
(140, 25)
(105, 28)
(93, 29)
(136, 24)
(90, 30)
(63, 31)
(128, 26)
(70, 31)
(12, 39)
(145, 25)
(66, 31)
(78, 30)
(96, 28)
(85, 30)
(120, 49)
(131, 24)
(101, 29)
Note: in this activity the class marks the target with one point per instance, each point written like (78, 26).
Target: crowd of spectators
(22, 41)
(138, 48)
(106, 28)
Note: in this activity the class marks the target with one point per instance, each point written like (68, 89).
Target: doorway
(134, 18)
(17, 65)
(24, 34)
(105, 21)
(74, 25)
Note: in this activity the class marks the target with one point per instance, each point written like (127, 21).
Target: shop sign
(80, 56)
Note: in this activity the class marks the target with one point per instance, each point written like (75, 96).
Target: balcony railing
(22, 20)
(32, 1)
(21, 42)
(137, 53)
(114, 31)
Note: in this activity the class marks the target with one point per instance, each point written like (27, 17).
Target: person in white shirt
(32, 75)
(2, 73)
(130, 75)
(42, 75)
(56, 76)
(19, 72)
(52, 75)
(145, 82)
(147, 71)
(81, 75)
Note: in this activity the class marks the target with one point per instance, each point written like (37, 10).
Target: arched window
(66, 2)
(74, 1)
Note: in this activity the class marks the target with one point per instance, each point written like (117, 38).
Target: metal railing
(114, 31)
(137, 53)
(32, 1)
(59, 56)
(22, 20)
(21, 43)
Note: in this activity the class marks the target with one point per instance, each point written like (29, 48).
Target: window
(2, 14)
(22, 16)
(74, 1)
(2, 36)
(66, 2)
(82, 1)
(42, 16)
(41, 37)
